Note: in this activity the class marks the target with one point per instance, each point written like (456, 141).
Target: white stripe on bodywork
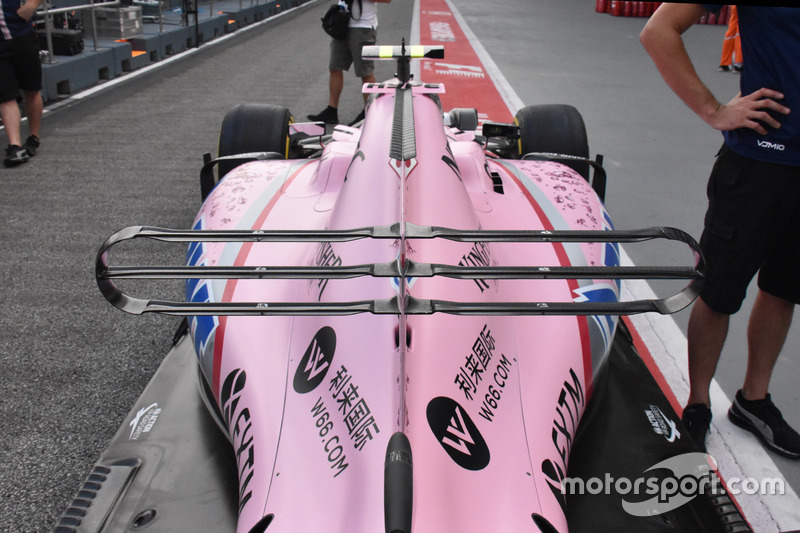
(552, 214)
(231, 250)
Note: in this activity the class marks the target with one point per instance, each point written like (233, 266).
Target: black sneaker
(724, 68)
(696, 419)
(31, 145)
(763, 419)
(15, 155)
(329, 115)
(358, 118)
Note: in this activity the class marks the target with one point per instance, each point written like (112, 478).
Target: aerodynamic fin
(406, 304)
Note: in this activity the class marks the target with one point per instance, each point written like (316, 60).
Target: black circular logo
(457, 433)
(316, 361)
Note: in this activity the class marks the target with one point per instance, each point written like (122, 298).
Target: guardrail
(190, 7)
(48, 13)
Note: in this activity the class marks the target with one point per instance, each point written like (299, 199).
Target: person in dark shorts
(753, 220)
(20, 69)
(362, 31)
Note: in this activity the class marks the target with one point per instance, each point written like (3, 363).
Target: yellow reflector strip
(385, 51)
(416, 51)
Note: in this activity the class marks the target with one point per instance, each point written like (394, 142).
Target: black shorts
(752, 225)
(20, 67)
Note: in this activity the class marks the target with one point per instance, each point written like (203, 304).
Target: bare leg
(9, 112)
(766, 332)
(335, 86)
(33, 109)
(706, 335)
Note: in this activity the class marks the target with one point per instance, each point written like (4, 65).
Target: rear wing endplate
(405, 304)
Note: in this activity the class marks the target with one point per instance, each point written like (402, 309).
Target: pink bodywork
(490, 404)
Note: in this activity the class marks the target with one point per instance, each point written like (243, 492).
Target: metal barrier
(46, 12)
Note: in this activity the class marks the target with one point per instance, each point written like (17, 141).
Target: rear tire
(555, 129)
(253, 128)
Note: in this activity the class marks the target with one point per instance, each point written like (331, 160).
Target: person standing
(362, 31)
(752, 224)
(731, 57)
(20, 69)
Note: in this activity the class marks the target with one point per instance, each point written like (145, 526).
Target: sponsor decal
(144, 421)
(771, 146)
(350, 414)
(316, 361)
(470, 374)
(381, 86)
(457, 433)
(480, 373)
(491, 400)
(325, 257)
(355, 412)
(479, 255)
(571, 401)
(661, 424)
(331, 443)
(237, 419)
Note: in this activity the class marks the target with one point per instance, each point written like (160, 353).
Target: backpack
(336, 20)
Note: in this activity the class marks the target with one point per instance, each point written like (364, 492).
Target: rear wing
(402, 55)
(403, 304)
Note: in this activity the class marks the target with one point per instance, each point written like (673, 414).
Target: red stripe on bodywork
(230, 286)
(563, 259)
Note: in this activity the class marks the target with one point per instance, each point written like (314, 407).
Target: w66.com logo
(670, 484)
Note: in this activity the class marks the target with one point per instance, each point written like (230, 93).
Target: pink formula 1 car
(403, 326)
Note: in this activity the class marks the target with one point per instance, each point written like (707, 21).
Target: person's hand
(27, 10)
(749, 112)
